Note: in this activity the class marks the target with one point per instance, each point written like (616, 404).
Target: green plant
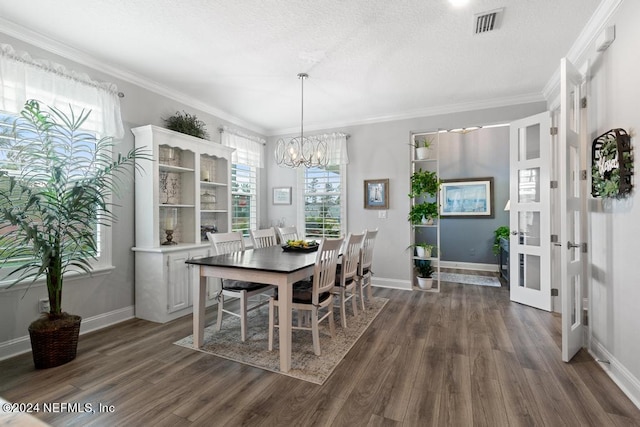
(426, 142)
(423, 268)
(502, 231)
(52, 204)
(188, 124)
(424, 183)
(427, 210)
(426, 246)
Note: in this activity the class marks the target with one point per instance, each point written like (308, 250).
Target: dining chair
(363, 278)
(263, 238)
(287, 233)
(346, 274)
(225, 243)
(313, 296)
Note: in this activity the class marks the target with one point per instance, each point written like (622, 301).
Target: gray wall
(381, 150)
(480, 153)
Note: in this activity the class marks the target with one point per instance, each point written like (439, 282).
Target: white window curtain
(23, 78)
(249, 149)
(336, 147)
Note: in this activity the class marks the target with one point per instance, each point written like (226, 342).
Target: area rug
(469, 279)
(305, 365)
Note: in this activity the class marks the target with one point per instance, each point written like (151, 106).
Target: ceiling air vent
(488, 21)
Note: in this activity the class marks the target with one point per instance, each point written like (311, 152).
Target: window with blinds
(324, 214)
(244, 185)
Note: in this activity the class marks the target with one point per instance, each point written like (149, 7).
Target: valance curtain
(249, 149)
(336, 147)
(23, 78)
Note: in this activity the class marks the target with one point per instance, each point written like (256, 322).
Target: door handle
(514, 233)
(572, 245)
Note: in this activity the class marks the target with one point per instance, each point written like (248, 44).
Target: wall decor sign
(611, 164)
(281, 195)
(376, 194)
(466, 198)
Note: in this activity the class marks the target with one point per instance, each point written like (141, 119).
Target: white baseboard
(469, 266)
(22, 344)
(620, 375)
(381, 282)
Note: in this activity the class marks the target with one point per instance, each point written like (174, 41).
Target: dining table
(271, 265)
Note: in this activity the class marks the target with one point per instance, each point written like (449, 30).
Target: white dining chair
(363, 278)
(263, 238)
(287, 233)
(346, 275)
(313, 296)
(225, 243)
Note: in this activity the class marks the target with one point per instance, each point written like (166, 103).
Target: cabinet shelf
(212, 184)
(175, 169)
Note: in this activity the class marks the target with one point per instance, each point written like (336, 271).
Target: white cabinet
(425, 170)
(182, 192)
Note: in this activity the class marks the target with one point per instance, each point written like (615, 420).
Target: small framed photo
(376, 194)
(281, 195)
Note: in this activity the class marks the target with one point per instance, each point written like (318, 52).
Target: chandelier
(301, 150)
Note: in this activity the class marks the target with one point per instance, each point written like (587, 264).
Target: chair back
(324, 272)
(366, 251)
(263, 238)
(225, 243)
(287, 233)
(351, 257)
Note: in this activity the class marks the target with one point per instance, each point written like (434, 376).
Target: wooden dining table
(270, 265)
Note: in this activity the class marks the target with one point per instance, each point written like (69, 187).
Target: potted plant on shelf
(188, 124)
(424, 273)
(423, 213)
(53, 196)
(424, 183)
(423, 151)
(423, 250)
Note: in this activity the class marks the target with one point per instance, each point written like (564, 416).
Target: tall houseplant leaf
(55, 196)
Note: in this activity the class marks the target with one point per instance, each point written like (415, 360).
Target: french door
(530, 211)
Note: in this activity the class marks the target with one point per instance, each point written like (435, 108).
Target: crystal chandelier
(301, 150)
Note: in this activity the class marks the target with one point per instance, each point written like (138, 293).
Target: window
(24, 78)
(323, 192)
(244, 214)
(247, 158)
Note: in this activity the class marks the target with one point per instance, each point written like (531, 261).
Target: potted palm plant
(55, 192)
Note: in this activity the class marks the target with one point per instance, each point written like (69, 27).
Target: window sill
(23, 285)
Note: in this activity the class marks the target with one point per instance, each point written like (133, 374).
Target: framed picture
(376, 194)
(466, 198)
(281, 195)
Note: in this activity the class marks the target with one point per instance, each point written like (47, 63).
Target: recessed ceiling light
(458, 3)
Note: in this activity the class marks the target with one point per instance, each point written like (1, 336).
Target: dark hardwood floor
(463, 357)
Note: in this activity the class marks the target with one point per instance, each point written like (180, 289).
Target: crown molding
(43, 42)
(418, 113)
(580, 52)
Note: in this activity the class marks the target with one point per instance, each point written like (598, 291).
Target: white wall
(615, 225)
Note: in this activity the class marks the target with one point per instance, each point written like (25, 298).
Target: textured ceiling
(367, 59)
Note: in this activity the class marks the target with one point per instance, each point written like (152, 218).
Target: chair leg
(354, 304)
(343, 308)
(315, 331)
(220, 308)
(332, 324)
(272, 324)
(243, 316)
(369, 291)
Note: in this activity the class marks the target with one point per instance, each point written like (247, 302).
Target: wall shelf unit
(184, 189)
(428, 233)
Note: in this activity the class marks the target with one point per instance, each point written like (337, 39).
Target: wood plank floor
(463, 357)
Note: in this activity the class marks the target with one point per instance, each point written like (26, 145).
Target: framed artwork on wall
(376, 194)
(281, 195)
(467, 198)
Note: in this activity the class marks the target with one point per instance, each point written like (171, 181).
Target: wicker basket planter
(54, 342)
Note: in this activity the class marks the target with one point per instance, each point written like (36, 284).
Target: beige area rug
(469, 279)
(305, 365)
